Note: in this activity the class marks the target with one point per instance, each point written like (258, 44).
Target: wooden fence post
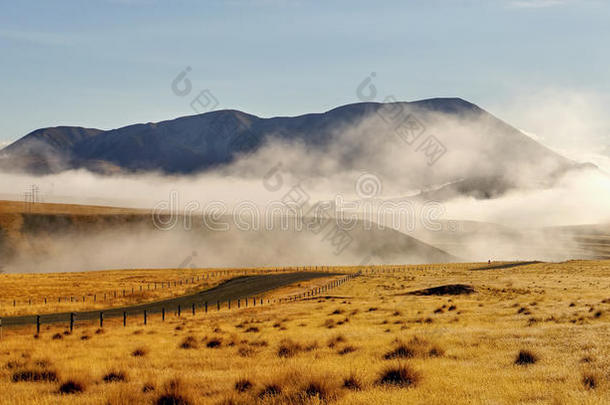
(124, 318)
(179, 310)
(71, 321)
(144, 317)
(37, 324)
(206, 307)
(163, 314)
(193, 307)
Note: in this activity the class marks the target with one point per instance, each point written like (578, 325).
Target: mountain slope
(487, 155)
(59, 237)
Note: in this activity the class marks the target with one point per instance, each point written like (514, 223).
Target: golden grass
(25, 294)
(459, 348)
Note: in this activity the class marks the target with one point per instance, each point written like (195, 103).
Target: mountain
(482, 155)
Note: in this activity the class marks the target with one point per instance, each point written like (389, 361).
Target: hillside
(484, 156)
(56, 237)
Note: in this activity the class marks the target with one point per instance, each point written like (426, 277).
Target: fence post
(193, 307)
(124, 318)
(71, 321)
(179, 310)
(238, 303)
(37, 324)
(163, 314)
(218, 305)
(144, 317)
(206, 307)
(101, 319)
(228, 304)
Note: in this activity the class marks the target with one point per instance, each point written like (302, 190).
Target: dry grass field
(30, 294)
(536, 333)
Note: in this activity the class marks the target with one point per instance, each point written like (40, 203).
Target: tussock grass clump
(414, 347)
(140, 352)
(270, 390)
(252, 329)
(288, 348)
(353, 382)
(589, 381)
(402, 351)
(189, 342)
(243, 385)
(400, 376)
(174, 393)
(333, 341)
(321, 389)
(346, 350)
(245, 351)
(214, 343)
(57, 336)
(329, 323)
(71, 386)
(34, 376)
(337, 311)
(525, 357)
(115, 376)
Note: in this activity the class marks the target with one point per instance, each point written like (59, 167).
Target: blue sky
(106, 64)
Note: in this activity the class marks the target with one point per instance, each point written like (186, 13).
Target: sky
(110, 63)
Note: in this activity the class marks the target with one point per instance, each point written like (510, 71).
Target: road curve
(236, 288)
